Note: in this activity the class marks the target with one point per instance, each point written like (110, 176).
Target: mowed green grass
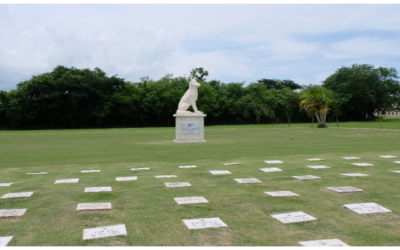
(152, 217)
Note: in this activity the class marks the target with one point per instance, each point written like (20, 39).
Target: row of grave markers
(92, 233)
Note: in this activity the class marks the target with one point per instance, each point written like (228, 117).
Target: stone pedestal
(189, 127)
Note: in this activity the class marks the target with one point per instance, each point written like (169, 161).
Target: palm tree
(316, 100)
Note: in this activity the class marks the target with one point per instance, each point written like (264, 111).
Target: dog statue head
(193, 84)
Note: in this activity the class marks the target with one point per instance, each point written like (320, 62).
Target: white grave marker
(281, 193)
(67, 181)
(293, 217)
(398, 162)
(215, 172)
(12, 212)
(128, 178)
(101, 232)
(367, 208)
(188, 166)
(232, 163)
(306, 177)
(204, 223)
(248, 180)
(165, 176)
(396, 172)
(363, 164)
(17, 195)
(324, 243)
(315, 159)
(36, 173)
(90, 171)
(5, 240)
(273, 162)
(177, 184)
(387, 156)
(271, 169)
(351, 158)
(318, 167)
(5, 184)
(356, 174)
(190, 200)
(97, 189)
(346, 189)
(133, 169)
(93, 206)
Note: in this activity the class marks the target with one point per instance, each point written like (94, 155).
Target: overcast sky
(233, 42)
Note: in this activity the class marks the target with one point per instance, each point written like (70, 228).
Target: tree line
(84, 98)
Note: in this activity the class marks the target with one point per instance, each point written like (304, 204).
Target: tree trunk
(337, 121)
(319, 120)
(289, 120)
(312, 121)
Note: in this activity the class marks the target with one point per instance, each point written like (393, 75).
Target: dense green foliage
(364, 89)
(84, 98)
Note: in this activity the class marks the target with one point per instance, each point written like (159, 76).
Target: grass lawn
(147, 207)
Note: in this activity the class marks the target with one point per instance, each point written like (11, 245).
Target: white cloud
(362, 47)
(245, 42)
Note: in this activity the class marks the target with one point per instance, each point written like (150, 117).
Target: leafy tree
(367, 89)
(316, 101)
(278, 84)
(199, 73)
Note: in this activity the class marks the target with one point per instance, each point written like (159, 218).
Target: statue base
(189, 127)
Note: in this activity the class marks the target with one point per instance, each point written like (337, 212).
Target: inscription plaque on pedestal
(189, 127)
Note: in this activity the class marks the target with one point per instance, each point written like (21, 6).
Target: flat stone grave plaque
(273, 162)
(396, 172)
(346, 189)
(387, 156)
(188, 166)
(93, 206)
(165, 176)
(398, 162)
(318, 167)
(356, 174)
(281, 193)
(128, 178)
(271, 169)
(190, 128)
(216, 172)
(363, 164)
(36, 173)
(367, 208)
(204, 223)
(351, 158)
(5, 184)
(102, 232)
(248, 180)
(97, 189)
(315, 159)
(232, 163)
(293, 217)
(90, 171)
(12, 212)
(67, 181)
(324, 243)
(177, 184)
(190, 200)
(139, 169)
(5, 240)
(306, 177)
(17, 195)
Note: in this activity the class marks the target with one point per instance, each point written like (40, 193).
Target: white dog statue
(189, 98)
